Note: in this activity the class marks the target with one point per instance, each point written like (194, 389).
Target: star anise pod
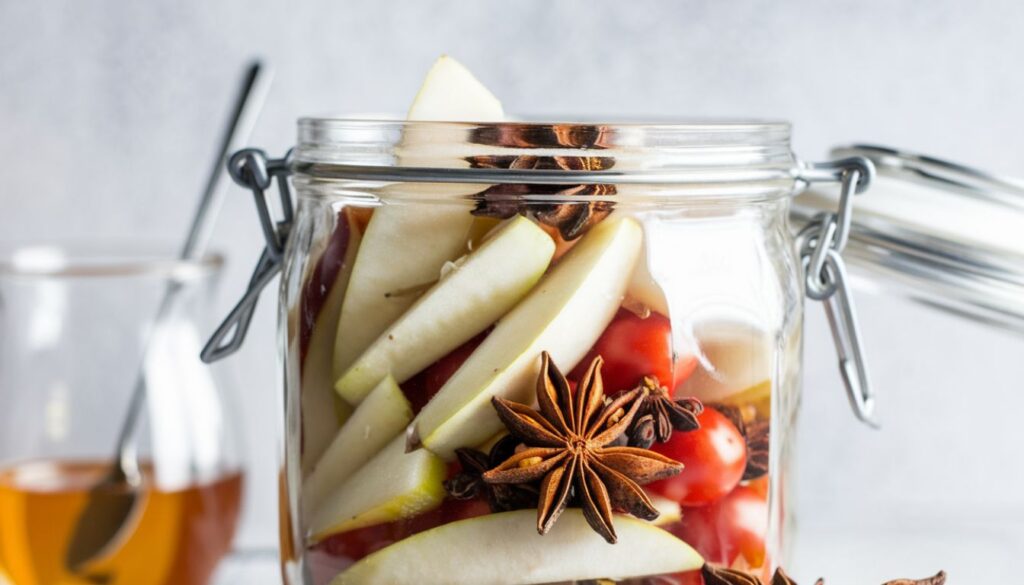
(756, 434)
(570, 218)
(757, 437)
(517, 135)
(722, 576)
(936, 579)
(642, 433)
(567, 451)
(668, 414)
(469, 482)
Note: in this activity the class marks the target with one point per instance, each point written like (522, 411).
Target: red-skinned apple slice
(320, 306)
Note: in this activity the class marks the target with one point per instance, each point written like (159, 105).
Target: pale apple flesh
(564, 315)
(669, 511)
(734, 357)
(505, 548)
(406, 244)
(451, 93)
(377, 420)
(392, 485)
(319, 309)
(480, 288)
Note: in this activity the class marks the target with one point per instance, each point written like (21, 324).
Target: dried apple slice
(505, 548)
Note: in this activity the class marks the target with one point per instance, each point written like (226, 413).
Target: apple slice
(759, 396)
(505, 548)
(451, 93)
(406, 244)
(669, 511)
(644, 289)
(319, 309)
(479, 289)
(391, 486)
(564, 314)
(377, 420)
(734, 356)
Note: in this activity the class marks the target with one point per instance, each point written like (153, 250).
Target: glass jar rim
(710, 152)
(103, 258)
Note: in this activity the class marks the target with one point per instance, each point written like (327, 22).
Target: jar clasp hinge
(820, 244)
(252, 169)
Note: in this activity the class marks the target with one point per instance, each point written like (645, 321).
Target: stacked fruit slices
(413, 320)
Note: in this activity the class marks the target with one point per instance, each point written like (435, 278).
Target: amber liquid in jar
(177, 536)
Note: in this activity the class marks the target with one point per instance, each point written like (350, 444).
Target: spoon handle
(245, 110)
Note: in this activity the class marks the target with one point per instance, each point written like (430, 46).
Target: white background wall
(109, 111)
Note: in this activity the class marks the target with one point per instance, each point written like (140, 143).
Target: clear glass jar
(429, 268)
(75, 320)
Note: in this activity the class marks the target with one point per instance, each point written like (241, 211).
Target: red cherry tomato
(634, 347)
(732, 526)
(713, 457)
(423, 386)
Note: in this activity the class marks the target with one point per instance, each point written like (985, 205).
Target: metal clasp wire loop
(820, 245)
(252, 169)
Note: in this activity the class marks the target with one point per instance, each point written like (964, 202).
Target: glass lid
(941, 233)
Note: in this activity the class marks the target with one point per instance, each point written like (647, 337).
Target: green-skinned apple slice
(376, 421)
(505, 548)
(391, 486)
(319, 308)
(482, 286)
(406, 244)
(563, 315)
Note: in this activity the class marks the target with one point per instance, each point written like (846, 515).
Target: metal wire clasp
(821, 244)
(252, 169)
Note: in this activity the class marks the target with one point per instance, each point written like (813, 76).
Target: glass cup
(75, 322)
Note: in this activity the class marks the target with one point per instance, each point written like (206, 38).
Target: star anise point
(570, 452)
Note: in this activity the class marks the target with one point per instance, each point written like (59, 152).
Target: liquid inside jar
(503, 397)
(176, 537)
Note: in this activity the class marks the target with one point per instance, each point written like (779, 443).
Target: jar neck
(697, 160)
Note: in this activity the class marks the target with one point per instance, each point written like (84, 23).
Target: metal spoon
(112, 500)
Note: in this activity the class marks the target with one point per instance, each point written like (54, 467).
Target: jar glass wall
(538, 348)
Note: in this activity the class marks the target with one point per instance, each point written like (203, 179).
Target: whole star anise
(567, 451)
(668, 414)
(469, 482)
(721, 576)
(756, 434)
(570, 218)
